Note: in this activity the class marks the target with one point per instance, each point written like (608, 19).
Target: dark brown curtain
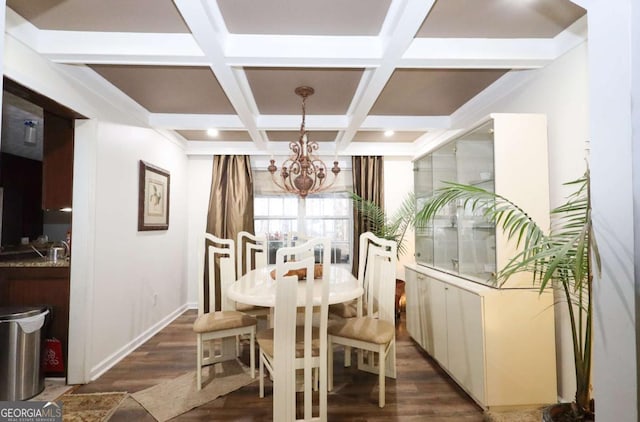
(230, 202)
(368, 183)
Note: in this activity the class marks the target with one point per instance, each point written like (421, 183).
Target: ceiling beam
(292, 122)
(196, 121)
(295, 51)
(200, 18)
(478, 53)
(120, 48)
(312, 122)
(398, 31)
(222, 148)
(278, 51)
(408, 123)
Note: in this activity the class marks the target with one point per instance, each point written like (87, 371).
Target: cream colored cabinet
(412, 308)
(497, 344)
(465, 348)
(426, 313)
(435, 317)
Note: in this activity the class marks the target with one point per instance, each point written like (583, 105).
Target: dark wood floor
(421, 392)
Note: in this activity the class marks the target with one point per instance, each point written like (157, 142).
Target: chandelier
(303, 173)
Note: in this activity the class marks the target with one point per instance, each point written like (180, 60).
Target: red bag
(52, 359)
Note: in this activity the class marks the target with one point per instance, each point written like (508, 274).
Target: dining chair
(296, 347)
(252, 254)
(343, 310)
(293, 239)
(372, 331)
(213, 326)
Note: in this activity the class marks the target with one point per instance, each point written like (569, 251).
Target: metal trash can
(21, 345)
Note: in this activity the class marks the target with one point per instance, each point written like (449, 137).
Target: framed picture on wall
(153, 198)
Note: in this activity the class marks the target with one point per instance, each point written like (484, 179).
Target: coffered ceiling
(376, 65)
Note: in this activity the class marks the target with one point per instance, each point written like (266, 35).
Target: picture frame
(153, 197)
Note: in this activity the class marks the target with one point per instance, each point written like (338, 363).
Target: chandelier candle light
(303, 173)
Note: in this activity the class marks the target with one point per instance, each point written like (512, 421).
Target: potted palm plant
(562, 258)
(392, 227)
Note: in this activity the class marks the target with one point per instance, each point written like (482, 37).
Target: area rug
(177, 396)
(514, 415)
(95, 407)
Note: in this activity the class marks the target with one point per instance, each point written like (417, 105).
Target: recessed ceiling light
(388, 133)
(213, 133)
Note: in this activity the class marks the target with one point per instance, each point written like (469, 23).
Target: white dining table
(258, 288)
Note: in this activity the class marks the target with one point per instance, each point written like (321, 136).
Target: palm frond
(496, 209)
(372, 213)
(394, 228)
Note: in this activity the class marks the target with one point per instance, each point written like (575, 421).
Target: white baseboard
(192, 305)
(120, 354)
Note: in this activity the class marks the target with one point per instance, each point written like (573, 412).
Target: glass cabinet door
(445, 225)
(458, 240)
(476, 235)
(423, 187)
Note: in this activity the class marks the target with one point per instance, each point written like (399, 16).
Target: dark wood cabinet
(33, 286)
(57, 162)
(21, 179)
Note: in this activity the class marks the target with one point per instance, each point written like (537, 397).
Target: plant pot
(561, 412)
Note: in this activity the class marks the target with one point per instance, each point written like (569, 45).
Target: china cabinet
(496, 341)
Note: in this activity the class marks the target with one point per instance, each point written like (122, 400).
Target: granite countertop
(24, 256)
(34, 262)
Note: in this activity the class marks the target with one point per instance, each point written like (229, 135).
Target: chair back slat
(252, 252)
(286, 312)
(220, 253)
(377, 273)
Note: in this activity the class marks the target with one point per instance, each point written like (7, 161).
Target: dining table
(258, 287)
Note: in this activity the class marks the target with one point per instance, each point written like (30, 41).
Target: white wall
(398, 183)
(614, 66)
(200, 168)
(116, 271)
(140, 277)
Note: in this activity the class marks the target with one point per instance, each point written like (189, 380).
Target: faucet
(37, 251)
(67, 248)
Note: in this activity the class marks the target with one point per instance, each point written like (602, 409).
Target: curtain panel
(368, 183)
(230, 204)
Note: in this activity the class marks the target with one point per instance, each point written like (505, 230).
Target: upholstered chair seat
(370, 330)
(265, 341)
(222, 320)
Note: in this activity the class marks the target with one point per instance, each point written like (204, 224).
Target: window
(284, 218)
